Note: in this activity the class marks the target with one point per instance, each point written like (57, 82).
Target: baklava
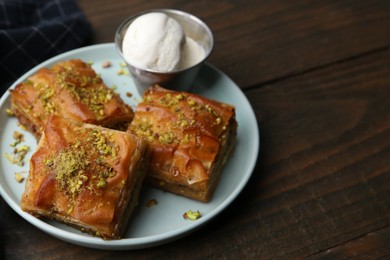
(191, 138)
(86, 176)
(70, 89)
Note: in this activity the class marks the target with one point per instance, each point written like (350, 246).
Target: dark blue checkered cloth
(32, 31)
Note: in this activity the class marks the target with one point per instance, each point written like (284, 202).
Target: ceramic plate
(163, 222)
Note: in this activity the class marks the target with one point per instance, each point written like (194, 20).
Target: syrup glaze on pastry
(191, 138)
(86, 176)
(72, 90)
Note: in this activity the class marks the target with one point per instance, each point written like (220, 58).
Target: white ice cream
(156, 41)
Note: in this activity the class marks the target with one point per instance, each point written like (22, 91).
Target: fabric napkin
(32, 31)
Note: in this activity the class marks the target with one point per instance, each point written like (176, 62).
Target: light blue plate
(163, 222)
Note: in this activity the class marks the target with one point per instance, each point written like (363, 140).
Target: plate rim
(138, 242)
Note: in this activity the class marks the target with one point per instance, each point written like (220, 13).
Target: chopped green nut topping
(192, 215)
(101, 183)
(18, 177)
(19, 152)
(151, 203)
(9, 112)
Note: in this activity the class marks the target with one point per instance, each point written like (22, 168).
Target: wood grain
(325, 176)
(372, 245)
(260, 41)
(317, 74)
(322, 179)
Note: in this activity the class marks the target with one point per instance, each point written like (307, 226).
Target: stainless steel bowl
(180, 80)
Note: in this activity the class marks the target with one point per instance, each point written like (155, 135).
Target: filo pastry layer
(191, 138)
(70, 89)
(86, 176)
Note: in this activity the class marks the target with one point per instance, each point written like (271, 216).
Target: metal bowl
(179, 80)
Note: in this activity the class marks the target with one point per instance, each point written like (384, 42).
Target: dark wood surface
(317, 74)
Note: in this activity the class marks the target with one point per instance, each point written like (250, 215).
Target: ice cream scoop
(157, 51)
(157, 42)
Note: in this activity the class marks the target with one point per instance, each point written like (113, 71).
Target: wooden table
(317, 74)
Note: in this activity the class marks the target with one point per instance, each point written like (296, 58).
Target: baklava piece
(86, 176)
(191, 138)
(72, 90)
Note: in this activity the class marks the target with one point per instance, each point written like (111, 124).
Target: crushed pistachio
(9, 112)
(78, 85)
(102, 143)
(169, 101)
(186, 139)
(192, 215)
(23, 127)
(122, 64)
(167, 138)
(186, 109)
(45, 96)
(191, 102)
(148, 99)
(18, 177)
(70, 209)
(18, 138)
(78, 166)
(17, 135)
(183, 123)
(179, 96)
(22, 148)
(101, 183)
(120, 72)
(9, 157)
(18, 155)
(69, 165)
(150, 203)
(106, 64)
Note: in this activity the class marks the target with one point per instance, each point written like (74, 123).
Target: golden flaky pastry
(72, 90)
(191, 138)
(86, 176)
